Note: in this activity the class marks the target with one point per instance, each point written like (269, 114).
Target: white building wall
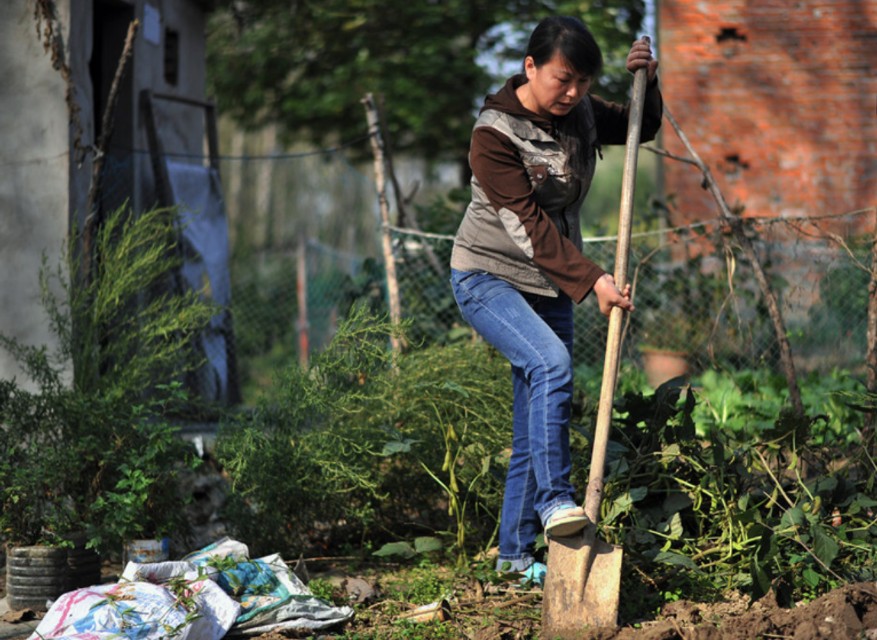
(44, 184)
(34, 158)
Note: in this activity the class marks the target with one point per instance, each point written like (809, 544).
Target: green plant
(745, 404)
(369, 441)
(732, 508)
(75, 453)
(146, 461)
(127, 327)
(325, 590)
(422, 585)
(294, 426)
(35, 465)
(450, 411)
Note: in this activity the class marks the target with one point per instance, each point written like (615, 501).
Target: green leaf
(677, 501)
(811, 577)
(624, 503)
(675, 527)
(638, 493)
(676, 559)
(793, 517)
(456, 388)
(397, 446)
(425, 544)
(671, 451)
(824, 547)
(402, 549)
(861, 502)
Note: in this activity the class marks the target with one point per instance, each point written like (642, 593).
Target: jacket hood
(506, 101)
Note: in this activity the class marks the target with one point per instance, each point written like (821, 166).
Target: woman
(517, 266)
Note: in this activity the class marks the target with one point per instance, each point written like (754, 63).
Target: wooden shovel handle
(594, 493)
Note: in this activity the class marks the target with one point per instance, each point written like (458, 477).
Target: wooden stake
(377, 145)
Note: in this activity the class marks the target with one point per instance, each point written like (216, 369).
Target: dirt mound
(847, 612)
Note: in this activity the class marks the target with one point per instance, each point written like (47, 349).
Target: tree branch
(734, 223)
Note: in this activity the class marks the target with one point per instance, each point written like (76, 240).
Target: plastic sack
(271, 596)
(192, 608)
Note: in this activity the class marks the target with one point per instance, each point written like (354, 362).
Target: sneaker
(534, 575)
(566, 522)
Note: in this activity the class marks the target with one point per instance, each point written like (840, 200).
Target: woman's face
(555, 87)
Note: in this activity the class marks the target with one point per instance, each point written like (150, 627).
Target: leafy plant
(75, 453)
(35, 465)
(128, 327)
(422, 585)
(293, 428)
(146, 461)
(734, 512)
(745, 404)
(370, 441)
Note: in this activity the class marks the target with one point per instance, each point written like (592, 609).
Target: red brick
(796, 101)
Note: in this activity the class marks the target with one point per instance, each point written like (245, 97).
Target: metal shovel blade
(585, 594)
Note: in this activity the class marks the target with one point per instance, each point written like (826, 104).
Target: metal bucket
(146, 551)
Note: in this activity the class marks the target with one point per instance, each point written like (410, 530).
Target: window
(171, 56)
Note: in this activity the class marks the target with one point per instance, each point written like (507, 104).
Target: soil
(848, 612)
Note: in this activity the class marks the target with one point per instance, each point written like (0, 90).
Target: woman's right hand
(608, 295)
(640, 57)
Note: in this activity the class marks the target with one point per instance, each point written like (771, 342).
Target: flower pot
(35, 575)
(147, 550)
(663, 365)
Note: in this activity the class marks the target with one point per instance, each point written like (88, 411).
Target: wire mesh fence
(305, 246)
(694, 293)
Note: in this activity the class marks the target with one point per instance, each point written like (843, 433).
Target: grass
(478, 603)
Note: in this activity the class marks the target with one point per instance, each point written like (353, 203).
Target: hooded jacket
(522, 223)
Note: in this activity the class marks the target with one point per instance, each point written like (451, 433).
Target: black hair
(571, 38)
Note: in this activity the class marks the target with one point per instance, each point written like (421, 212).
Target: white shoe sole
(565, 526)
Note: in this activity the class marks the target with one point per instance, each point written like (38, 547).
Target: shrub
(359, 445)
(73, 455)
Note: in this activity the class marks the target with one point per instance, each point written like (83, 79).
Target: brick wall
(779, 98)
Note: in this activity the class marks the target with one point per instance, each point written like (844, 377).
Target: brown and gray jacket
(522, 223)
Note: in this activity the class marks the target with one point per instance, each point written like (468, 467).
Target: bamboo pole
(92, 208)
(377, 145)
(301, 291)
(405, 218)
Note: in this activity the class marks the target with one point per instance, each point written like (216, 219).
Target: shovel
(584, 573)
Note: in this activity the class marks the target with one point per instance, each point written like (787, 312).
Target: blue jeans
(535, 333)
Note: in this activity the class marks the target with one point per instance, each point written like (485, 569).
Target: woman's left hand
(640, 57)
